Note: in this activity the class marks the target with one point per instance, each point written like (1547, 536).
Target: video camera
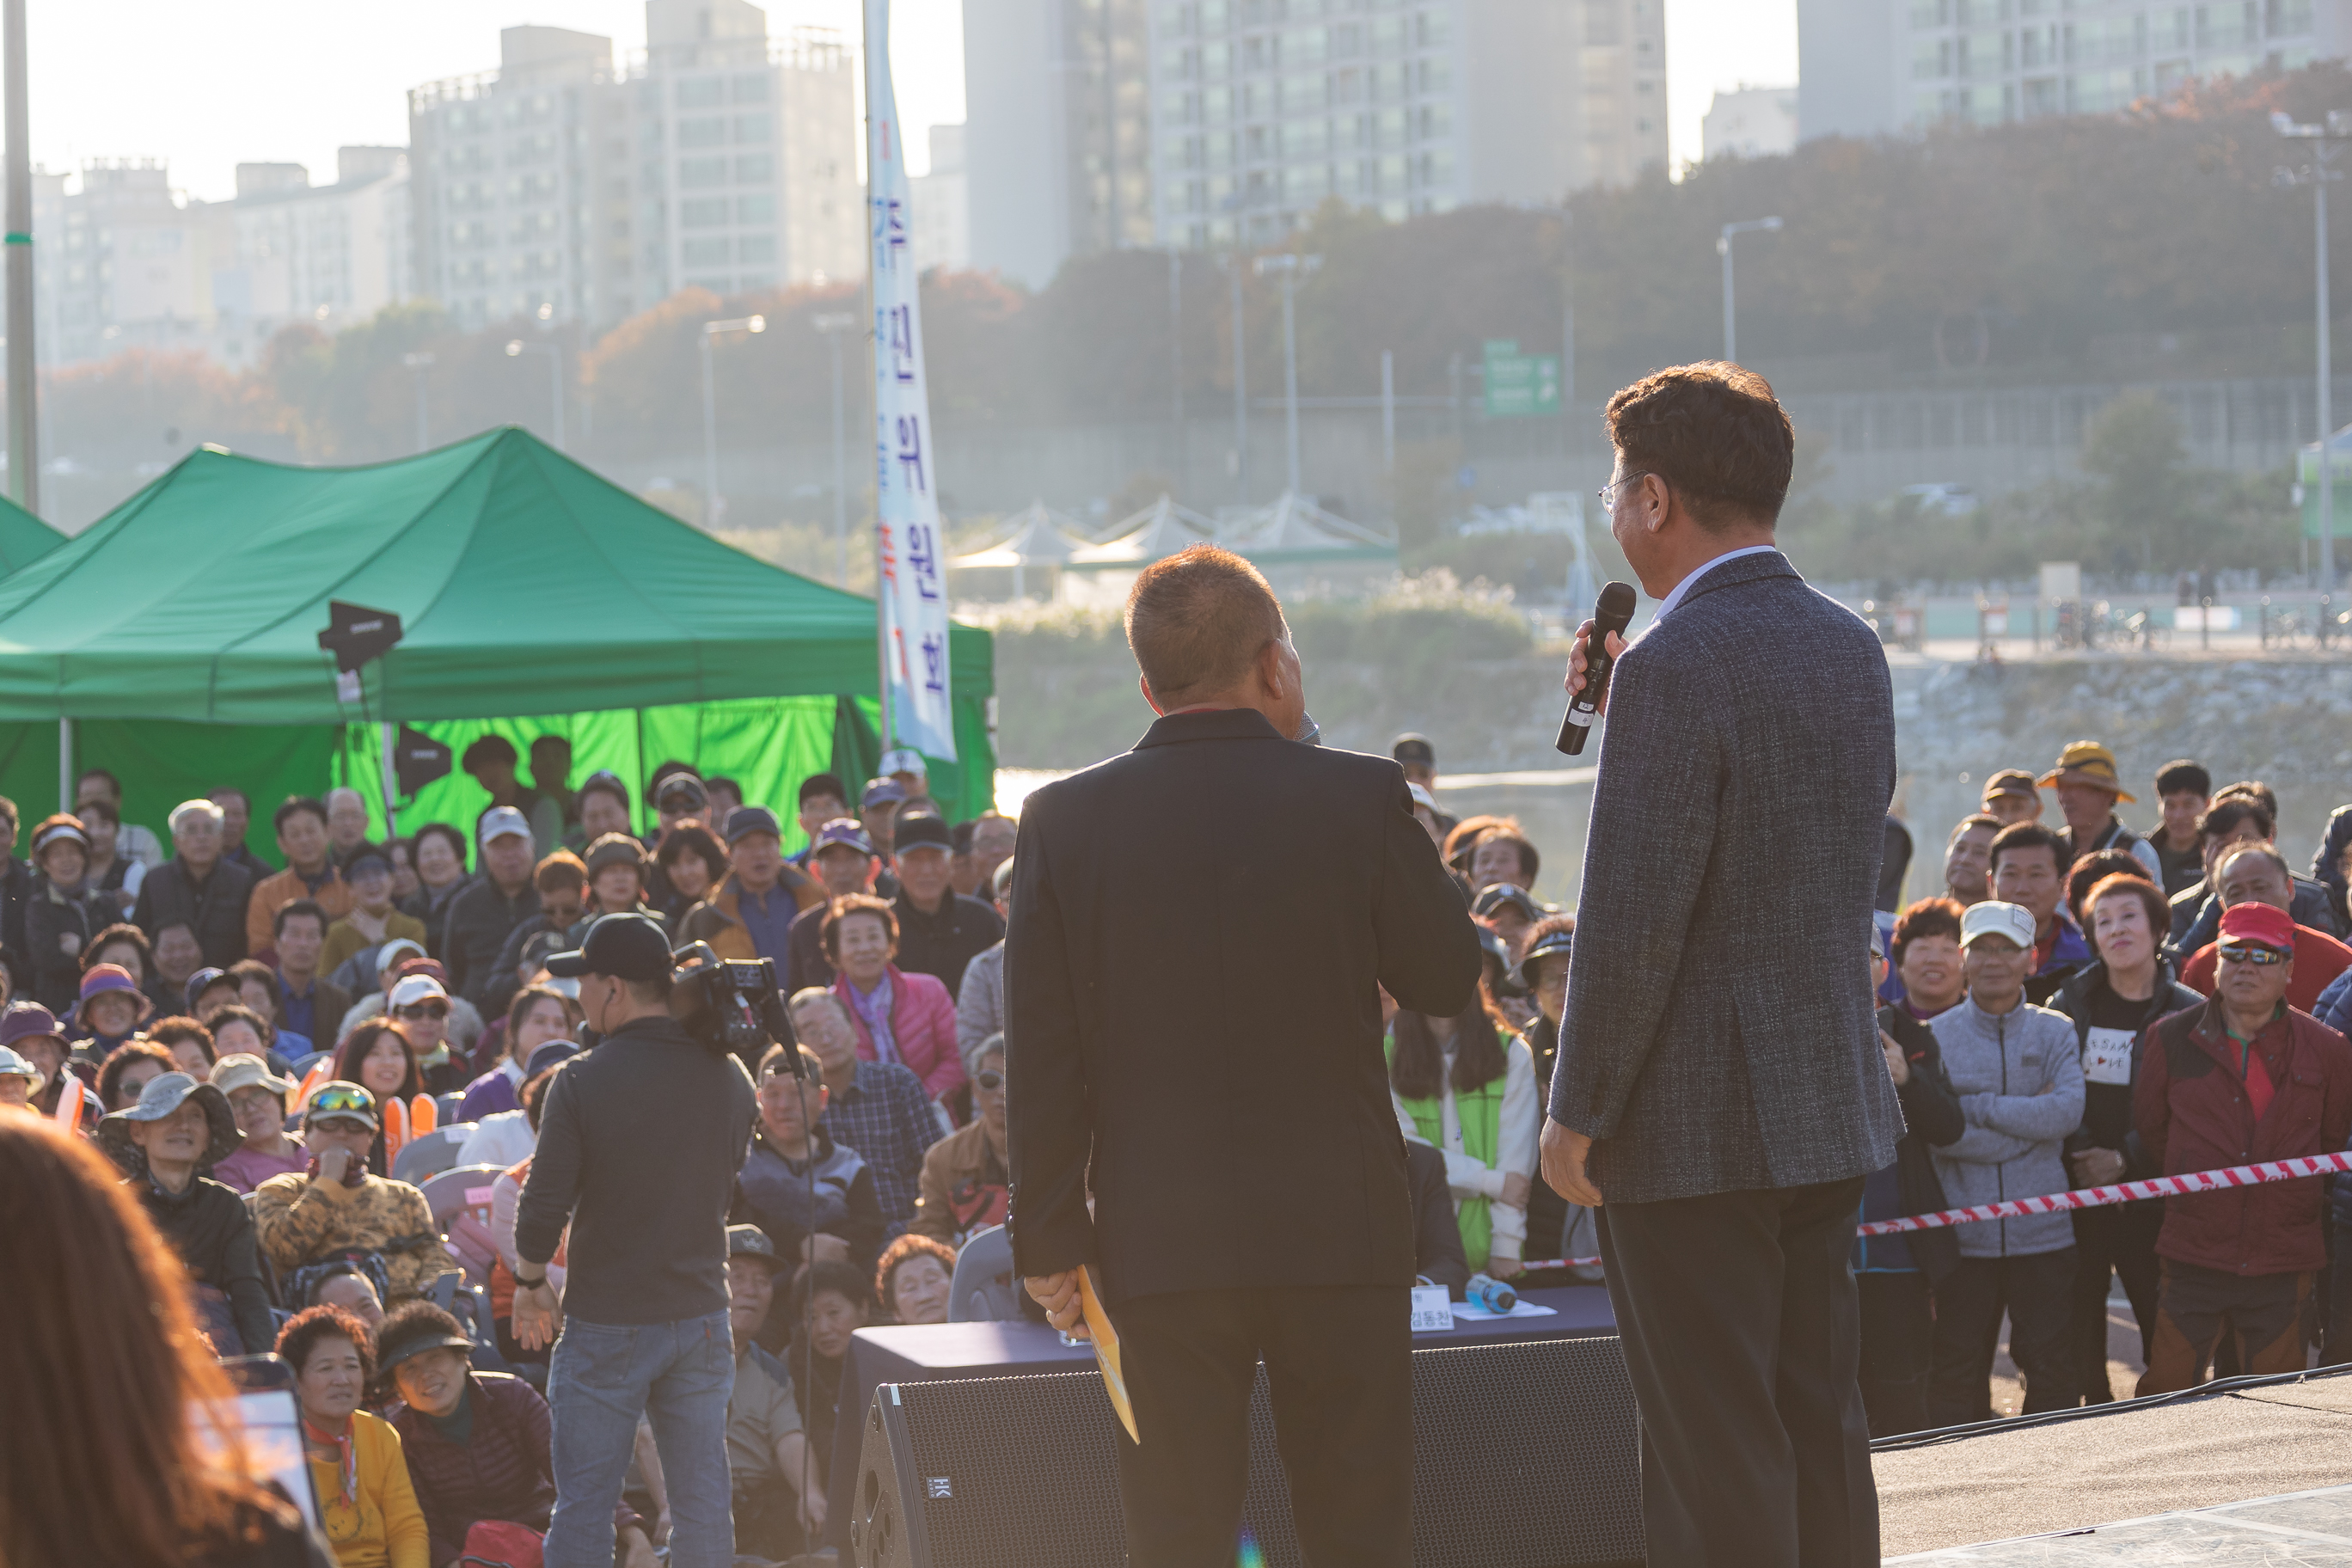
(730, 1004)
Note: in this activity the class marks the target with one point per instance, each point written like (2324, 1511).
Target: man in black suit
(1719, 1077)
(1200, 932)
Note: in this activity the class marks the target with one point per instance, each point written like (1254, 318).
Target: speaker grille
(1524, 1453)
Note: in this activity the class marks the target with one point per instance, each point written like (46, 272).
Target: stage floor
(2304, 1529)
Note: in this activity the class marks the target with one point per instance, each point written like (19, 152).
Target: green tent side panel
(24, 538)
(963, 789)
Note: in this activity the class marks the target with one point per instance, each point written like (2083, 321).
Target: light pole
(832, 323)
(23, 393)
(1241, 385)
(710, 331)
(419, 365)
(1176, 354)
(2325, 141)
(1290, 266)
(1730, 306)
(517, 348)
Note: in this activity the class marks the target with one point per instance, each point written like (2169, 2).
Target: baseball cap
(339, 1098)
(904, 760)
(243, 1069)
(106, 977)
(14, 1065)
(1491, 945)
(2011, 781)
(1552, 944)
(2088, 762)
(500, 821)
(367, 854)
(1506, 893)
(428, 1335)
(681, 791)
(614, 849)
(845, 830)
(923, 831)
(881, 792)
(751, 1241)
(1877, 942)
(625, 946)
(1413, 748)
(199, 982)
(66, 830)
(1994, 918)
(165, 1093)
(413, 989)
(26, 1021)
(546, 1054)
(398, 950)
(2264, 924)
(752, 819)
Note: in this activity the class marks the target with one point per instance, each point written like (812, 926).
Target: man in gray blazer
(1719, 1079)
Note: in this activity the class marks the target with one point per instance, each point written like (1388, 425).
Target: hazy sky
(210, 86)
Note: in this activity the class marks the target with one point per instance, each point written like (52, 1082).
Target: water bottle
(1489, 1294)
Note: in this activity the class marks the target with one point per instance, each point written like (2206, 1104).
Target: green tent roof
(525, 585)
(24, 538)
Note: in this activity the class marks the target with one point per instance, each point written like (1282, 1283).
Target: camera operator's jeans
(601, 1379)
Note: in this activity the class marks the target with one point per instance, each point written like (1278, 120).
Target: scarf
(874, 1009)
(347, 1463)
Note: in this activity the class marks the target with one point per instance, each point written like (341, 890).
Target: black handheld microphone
(1611, 614)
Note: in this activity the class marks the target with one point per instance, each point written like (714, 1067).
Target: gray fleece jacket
(2020, 1087)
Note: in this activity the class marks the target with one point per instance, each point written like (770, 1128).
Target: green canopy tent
(179, 635)
(24, 538)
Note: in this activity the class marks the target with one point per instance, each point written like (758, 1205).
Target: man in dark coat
(1719, 1079)
(1200, 929)
(197, 889)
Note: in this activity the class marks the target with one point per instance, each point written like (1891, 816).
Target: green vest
(1480, 1112)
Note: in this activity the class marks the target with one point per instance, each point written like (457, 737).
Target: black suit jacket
(1200, 927)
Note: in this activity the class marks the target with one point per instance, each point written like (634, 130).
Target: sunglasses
(339, 1124)
(425, 1010)
(991, 1081)
(2261, 957)
(345, 1098)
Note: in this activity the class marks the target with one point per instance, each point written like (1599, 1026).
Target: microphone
(1611, 614)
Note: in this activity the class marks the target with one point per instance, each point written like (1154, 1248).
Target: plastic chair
(448, 1193)
(982, 1288)
(430, 1153)
(448, 1104)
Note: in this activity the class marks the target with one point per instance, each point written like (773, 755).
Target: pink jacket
(922, 1023)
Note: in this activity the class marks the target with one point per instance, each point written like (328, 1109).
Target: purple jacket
(507, 1469)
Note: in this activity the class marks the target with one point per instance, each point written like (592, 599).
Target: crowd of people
(323, 1088)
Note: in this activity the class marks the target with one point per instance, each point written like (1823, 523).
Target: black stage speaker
(1524, 1455)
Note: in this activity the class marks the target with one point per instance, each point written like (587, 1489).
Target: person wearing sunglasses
(337, 1207)
(965, 1177)
(2243, 1078)
(420, 1011)
(2257, 873)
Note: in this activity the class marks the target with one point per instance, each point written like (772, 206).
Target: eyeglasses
(991, 1081)
(1608, 492)
(424, 1010)
(2261, 957)
(342, 1124)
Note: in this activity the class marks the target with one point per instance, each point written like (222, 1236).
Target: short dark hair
(1510, 832)
(692, 837)
(2096, 867)
(561, 868)
(822, 783)
(1928, 917)
(2254, 790)
(2150, 896)
(295, 803)
(2177, 777)
(2024, 836)
(720, 781)
(95, 807)
(549, 743)
(305, 1327)
(2227, 812)
(86, 774)
(118, 1061)
(1713, 431)
(1197, 620)
(849, 904)
(606, 784)
(532, 1095)
(1974, 819)
(121, 930)
(263, 1030)
(214, 794)
(2266, 851)
(294, 909)
(909, 1245)
(170, 1032)
(781, 1056)
(843, 1279)
(253, 969)
(488, 749)
(440, 830)
(960, 836)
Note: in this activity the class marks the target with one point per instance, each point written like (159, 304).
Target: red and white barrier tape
(2082, 1198)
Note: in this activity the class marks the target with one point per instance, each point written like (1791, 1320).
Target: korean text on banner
(912, 596)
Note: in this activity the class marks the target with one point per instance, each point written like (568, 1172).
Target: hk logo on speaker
(936, 1487)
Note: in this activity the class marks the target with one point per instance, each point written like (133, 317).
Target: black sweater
(639, 1140)
(209, 1227)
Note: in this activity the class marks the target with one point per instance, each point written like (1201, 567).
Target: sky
(210, 86)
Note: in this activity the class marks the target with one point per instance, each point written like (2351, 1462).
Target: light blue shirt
(1683, 587)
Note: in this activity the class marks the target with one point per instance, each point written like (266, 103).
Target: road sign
(1519, 385)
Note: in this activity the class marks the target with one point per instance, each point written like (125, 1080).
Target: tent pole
(384, 744)
(65, 765)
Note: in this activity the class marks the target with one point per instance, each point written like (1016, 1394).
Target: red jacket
(922, 1025)
(2192, 1112)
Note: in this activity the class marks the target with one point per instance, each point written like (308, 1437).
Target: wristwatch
(523, 1284)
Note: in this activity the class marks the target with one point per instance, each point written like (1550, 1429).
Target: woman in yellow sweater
(365, 1500)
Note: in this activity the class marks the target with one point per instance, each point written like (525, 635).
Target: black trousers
(1742, 1335)
(2121, 1239)
(1338, 1368)
(2036, 1293)
(1898, 1336)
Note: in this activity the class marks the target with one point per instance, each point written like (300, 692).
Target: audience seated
(508, 1136)
(814, 1199)
(256, 1098)
(190, 1043)
(779, 1499)
(878, 1109)
(965, 1177)
(537, 1015)
(910, 1282)
(1437, 1235)
(899, 1017)
(2257, 873)
(1458, 1086)
(477, 1443)
(366, 1501)
(347, 1285)
(375, 1056)
(130, 1070)
(829, 1304)
(979, 1005)
(339, 1209)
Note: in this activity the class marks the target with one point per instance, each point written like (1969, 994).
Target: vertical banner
(911, 594)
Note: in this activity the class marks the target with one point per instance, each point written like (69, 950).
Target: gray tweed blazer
(1720, 1034)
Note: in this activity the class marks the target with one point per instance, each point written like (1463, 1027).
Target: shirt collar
(1666, 606)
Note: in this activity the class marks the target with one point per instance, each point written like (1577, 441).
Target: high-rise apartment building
(1235, 119)
(121, 263)
(943, 205)
(716, 159)
(329, 255)
(1871, 67)
(1749, 122)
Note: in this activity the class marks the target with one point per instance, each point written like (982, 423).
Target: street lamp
(418, 365)
(517, 348)
(712, 330)
(832, 323)
(2326, 140)
(1723, 248)
(1290, 266)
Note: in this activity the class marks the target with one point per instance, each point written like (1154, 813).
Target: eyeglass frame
(2254, 952)
(978, 1080)
(422, 1009)
(1608, 492)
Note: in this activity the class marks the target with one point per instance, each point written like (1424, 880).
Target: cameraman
(638, 1144)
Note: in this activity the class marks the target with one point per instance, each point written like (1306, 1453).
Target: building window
(751, 89)
(705, 252)
(702, 172)
(701, 92)
(756, 248)
(703, 212)
(755, 169)
(755, 209)
(752, 130)
(709, 133)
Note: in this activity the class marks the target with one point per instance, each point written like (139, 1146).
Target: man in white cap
(905, 766)
(501, 899)
(420, 1006)
(195, 888)
(2020, 1081)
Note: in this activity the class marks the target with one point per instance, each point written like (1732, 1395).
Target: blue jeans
(601, 1379)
